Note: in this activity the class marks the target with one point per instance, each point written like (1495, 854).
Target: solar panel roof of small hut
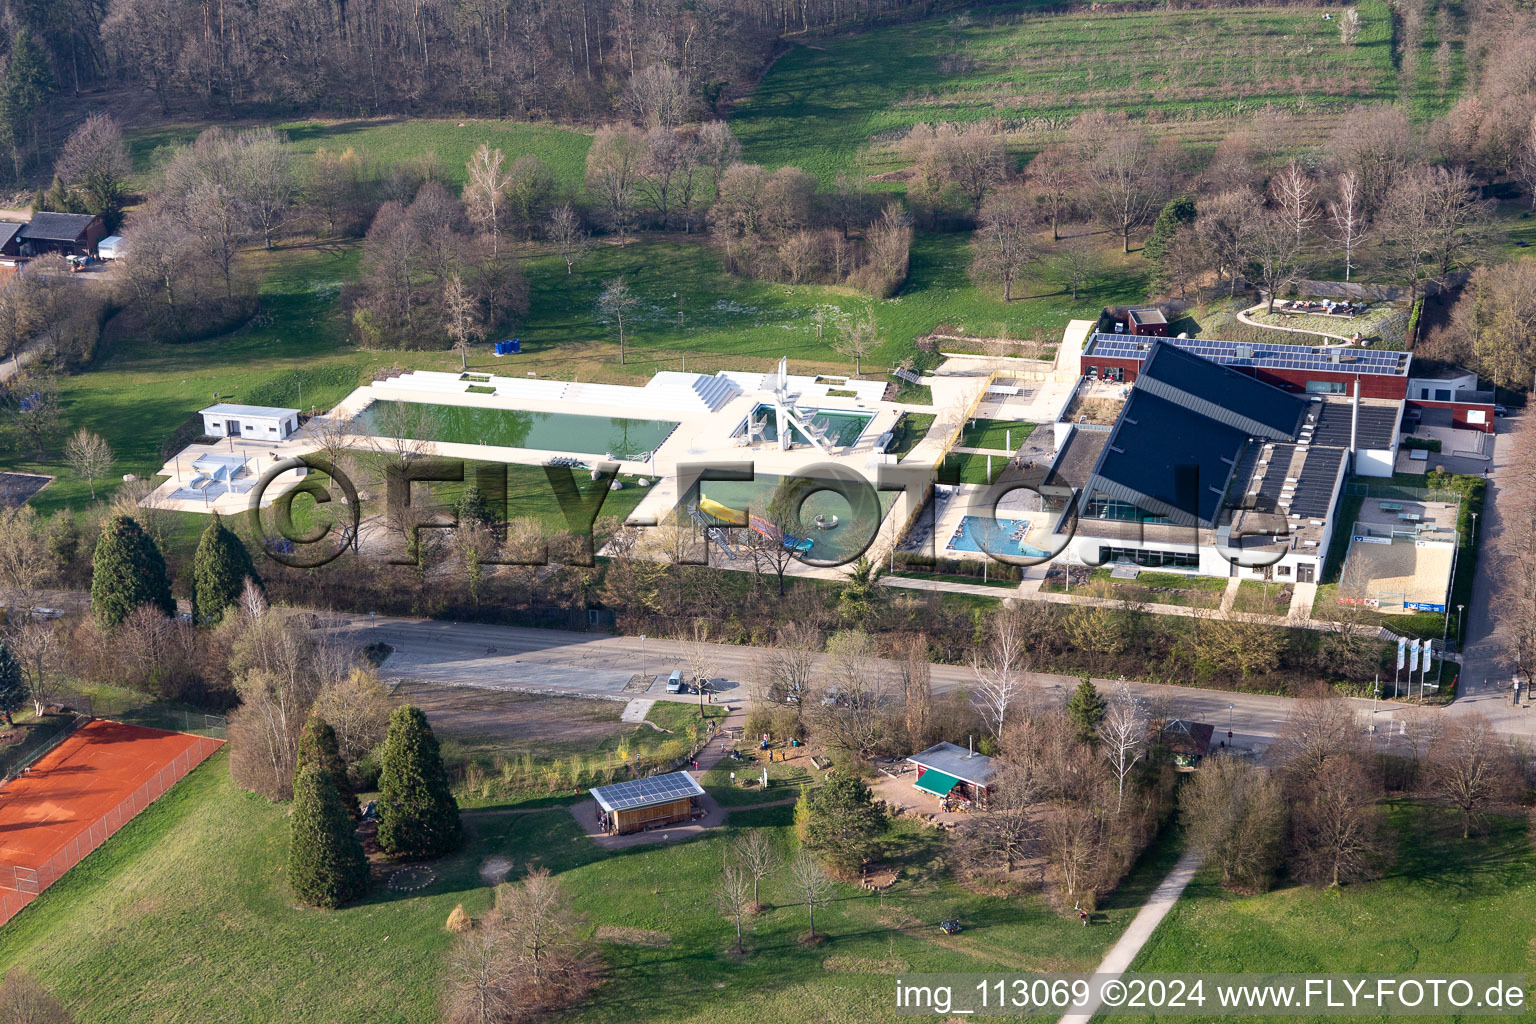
(657, 789)
(1375, 362)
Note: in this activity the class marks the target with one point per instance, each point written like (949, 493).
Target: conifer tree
(13, 691)
(318, 746)
(127, 571)
(418, 816)
(219, 571)
(326, 864)
(1085, 710)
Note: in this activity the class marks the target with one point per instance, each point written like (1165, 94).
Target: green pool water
(514, 428)
(842, 542)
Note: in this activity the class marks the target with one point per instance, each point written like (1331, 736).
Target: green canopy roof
(937, 783)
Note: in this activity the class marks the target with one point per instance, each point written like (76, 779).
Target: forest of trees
(658, 62)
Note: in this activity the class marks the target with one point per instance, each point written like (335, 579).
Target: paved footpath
(1123, 953)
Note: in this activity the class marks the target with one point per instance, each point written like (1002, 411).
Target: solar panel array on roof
(657, 789)
(1373, 362)
(1335, 423)
(1313, 496)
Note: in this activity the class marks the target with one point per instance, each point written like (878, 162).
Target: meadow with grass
(383, 142)
(1445, 905)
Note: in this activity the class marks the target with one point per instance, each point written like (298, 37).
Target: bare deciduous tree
(1347, 215)
(759, 858)
(485, 192)
(1227, 224)
(1337, 831)
(1004, 240)
(1471, 767)
(731, 897)
(1127, 182)
(89, 455)
(857, 340)
(617, 302)
(1000, 666)
(24, 561)
(481, 974)
(566, 234)
(461, 317)
(1235, 812)
(659, 95)
(613, 172)
(1123, 736)
(810, 885)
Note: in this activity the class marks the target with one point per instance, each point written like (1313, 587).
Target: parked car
(1499, 410)
(675, 682)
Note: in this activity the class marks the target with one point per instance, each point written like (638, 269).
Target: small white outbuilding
(250, 422)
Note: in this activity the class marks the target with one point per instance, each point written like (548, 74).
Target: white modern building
(249, 422)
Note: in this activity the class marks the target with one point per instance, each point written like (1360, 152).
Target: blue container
(517, 345)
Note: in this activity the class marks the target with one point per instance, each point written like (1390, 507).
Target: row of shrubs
(504, 777)
(914, 561)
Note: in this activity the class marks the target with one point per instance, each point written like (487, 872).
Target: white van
(675, 682)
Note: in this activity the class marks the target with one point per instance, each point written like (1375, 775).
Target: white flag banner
(1429, 645)
(1402, 652)
(1413, 657)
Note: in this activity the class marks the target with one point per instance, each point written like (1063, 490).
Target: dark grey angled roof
(1220, 392)
(1378, 424)
(8, 231)
(957, 761)
(57, 227)
(1167, 460)
(658, 789)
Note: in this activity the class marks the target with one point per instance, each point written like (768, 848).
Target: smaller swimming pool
(998, 536)
(840, 428)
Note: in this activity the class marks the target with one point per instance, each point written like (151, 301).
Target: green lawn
(970, 468)
(1446, 906)
(386, 141)
(1261, 597)
(1153, 587)
(1003, 435)
(820, 107)
(184, 916)
(910, 428)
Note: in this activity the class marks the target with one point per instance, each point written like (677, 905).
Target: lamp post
(1473, 538)
(1229, 722)
(1460, 636)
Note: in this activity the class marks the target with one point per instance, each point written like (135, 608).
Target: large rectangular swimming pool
(514, 428)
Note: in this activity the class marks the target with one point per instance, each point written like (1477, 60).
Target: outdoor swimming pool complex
(839, 428)
(996, 536)
(514, 428)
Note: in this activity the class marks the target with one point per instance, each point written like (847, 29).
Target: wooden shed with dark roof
(64, 233)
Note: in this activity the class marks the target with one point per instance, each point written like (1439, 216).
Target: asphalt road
(623, 667)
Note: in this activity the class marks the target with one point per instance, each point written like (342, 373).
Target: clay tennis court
(78, 794)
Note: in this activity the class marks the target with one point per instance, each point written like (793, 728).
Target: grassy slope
(1446, 906)
(387, 141)
(819, 107)
(183, 916)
